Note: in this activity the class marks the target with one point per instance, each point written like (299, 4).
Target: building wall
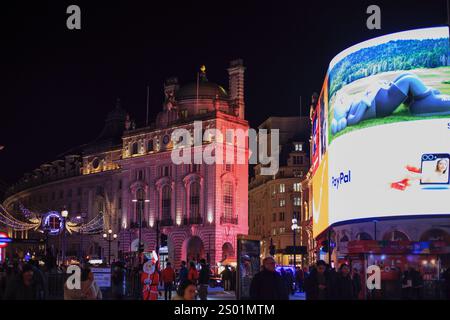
(273, 200)
(113, 191)
(108, 174)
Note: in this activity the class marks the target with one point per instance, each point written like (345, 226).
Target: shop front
(409, 269)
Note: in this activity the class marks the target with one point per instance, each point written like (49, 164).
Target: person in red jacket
(150, 278)
(168, 278)
(193, 273)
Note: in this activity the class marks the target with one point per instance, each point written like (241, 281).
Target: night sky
(57, 85)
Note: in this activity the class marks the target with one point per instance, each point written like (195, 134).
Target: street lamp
(294, 228)
(80, 254)
(140, 206)
(64, 215)
(110, 237)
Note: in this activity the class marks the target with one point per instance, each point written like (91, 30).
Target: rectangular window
(165, 171)
(297, 201)
(79, 191)
(150, 145)
(228, 167)
(273, 190)
(298, 147)
(61, 194)
(282, 187)
(274, 217)
(120, 184)
(298, 160)
(228, 200)
(281, 216)
(282, 230)
(282, 203)
(297, 187)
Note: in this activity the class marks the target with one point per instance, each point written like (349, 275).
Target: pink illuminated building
(128, 175)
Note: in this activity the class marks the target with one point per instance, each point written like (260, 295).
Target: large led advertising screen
(387, 139)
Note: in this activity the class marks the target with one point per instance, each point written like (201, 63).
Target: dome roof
(205, 90)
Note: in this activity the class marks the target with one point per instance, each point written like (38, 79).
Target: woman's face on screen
(442, 166)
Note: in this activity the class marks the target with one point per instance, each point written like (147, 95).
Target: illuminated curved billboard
(385, 130)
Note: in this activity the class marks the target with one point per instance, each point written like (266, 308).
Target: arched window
(228, 200)
(166, 200)
(194, 200)
(134, 148)
(435, 235)
(363, 236)
(395, 235)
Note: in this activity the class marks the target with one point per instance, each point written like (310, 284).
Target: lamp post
(64, 215)
(46, 232)
(294, 228)
(110, 237)
(140, 208)
(157, 237)
(80, 255)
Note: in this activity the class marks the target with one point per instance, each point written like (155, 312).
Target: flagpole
(148, 98)
(198, 79)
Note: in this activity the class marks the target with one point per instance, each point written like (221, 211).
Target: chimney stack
(236, 85)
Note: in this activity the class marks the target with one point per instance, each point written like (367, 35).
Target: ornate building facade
(127, 174)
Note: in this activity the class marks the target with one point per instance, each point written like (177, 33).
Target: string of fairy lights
(94, 226)
(10, 221)
(34, 222)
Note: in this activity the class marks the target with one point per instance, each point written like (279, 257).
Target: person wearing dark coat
(268, 284)
(117, 279)
(22, 286)
(299, 279)
(183, 273)
(226, 278)
(233, 279)
(356, 283)
(446, 277)
(319, 285)
(203, 280)
(344, 284)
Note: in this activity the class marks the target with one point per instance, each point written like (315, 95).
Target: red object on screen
(413, 169)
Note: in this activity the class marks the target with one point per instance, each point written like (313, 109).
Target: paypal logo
(343, 178)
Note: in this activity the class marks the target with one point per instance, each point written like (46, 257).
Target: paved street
(219, 294)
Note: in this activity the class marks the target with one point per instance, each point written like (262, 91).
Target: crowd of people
(30, 281)
(321, 282)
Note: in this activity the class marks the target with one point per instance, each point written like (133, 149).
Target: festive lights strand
(94, 226)
(7, 219)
